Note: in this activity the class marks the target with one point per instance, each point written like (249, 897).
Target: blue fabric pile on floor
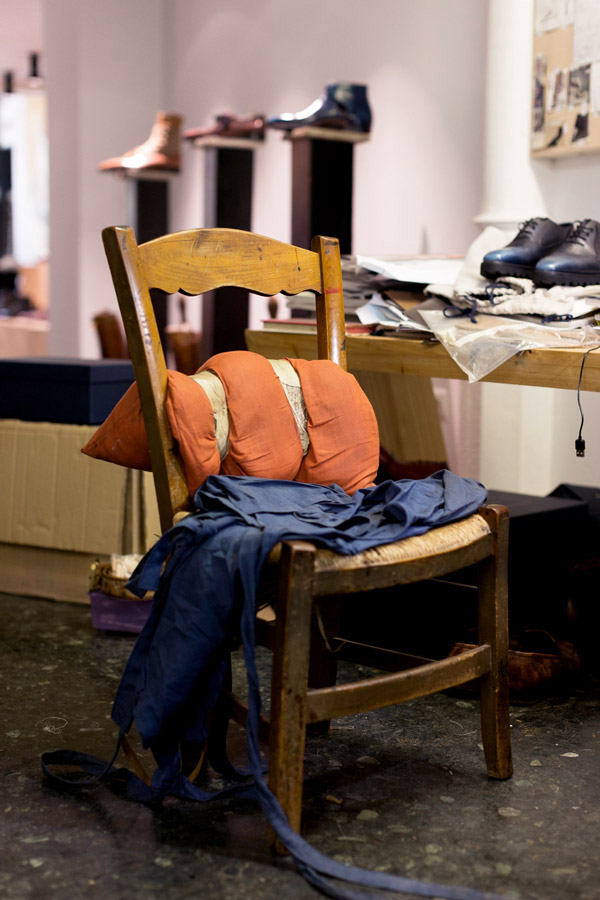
(205, 571)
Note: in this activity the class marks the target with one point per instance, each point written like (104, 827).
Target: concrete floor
(403, 790)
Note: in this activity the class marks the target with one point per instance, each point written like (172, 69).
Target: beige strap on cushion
(290, 382)
(213, 388)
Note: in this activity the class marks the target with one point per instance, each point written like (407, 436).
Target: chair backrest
(193, 262)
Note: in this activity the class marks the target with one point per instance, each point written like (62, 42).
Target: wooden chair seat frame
(302, 578)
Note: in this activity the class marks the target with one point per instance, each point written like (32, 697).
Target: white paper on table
(414, 270)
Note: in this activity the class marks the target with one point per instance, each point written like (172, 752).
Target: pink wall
(110, 66)
(418, 181)
(21, 33)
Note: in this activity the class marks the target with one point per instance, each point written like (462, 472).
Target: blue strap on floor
(163, 783)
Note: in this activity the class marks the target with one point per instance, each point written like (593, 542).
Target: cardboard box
(61, 510)
(65, 391)
(23, 336)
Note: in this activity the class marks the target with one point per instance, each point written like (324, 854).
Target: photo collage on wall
(566, 77)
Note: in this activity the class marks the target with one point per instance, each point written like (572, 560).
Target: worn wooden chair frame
(200, 260)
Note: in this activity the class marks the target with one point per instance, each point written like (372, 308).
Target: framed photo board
(565, 117)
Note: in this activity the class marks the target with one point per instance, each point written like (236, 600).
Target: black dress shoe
(576, 261)
(537, 238)
(342, 105)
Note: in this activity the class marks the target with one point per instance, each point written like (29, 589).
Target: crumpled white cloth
(511, 296)
(480, 347)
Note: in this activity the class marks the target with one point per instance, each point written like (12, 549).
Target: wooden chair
(110, 334)
(305, 577)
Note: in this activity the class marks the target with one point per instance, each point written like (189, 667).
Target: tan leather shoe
(160, 151)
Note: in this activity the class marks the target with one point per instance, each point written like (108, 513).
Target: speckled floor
(402, 790)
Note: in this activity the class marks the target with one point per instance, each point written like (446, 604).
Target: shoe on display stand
(576, 261)
(159, 152)
(342, 105)
(228, 125)
(536, 239)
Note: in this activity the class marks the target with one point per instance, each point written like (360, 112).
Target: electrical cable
(579, 442)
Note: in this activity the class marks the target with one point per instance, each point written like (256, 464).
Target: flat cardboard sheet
(50, 574)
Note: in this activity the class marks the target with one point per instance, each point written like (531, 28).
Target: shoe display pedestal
(228, 167)
(322, 173)
(148, 215)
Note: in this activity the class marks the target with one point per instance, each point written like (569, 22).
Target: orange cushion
(344, 438)
(263, 435)
(122, 438)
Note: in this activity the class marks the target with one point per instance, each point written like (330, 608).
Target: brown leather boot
(537, 662)
(160, 151)
(227, 125)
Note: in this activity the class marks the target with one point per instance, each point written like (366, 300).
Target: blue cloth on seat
(214, 562)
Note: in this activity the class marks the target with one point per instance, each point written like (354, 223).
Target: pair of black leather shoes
(342, 105)
(549, 254)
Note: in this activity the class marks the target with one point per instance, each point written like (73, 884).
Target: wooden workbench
(396, 373)
(542, 368)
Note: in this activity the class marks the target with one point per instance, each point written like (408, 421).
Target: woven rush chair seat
(437, 542)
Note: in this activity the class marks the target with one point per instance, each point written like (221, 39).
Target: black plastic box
(68, 391)
(545, 541)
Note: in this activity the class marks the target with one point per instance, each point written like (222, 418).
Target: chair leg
(493, 630)
(322, 670)
(289, 681)
(134, 761)
(214, 748)
(219, 727)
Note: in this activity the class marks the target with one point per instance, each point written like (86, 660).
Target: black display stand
(228, 167)
(5, 203)
(322, 183)
(322, 180)
(546, 535)
(148, 215)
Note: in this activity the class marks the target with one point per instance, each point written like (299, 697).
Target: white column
(512, 191)
(517, 423)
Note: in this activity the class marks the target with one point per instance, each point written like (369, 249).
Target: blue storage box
(118, 613)
(64, 390)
